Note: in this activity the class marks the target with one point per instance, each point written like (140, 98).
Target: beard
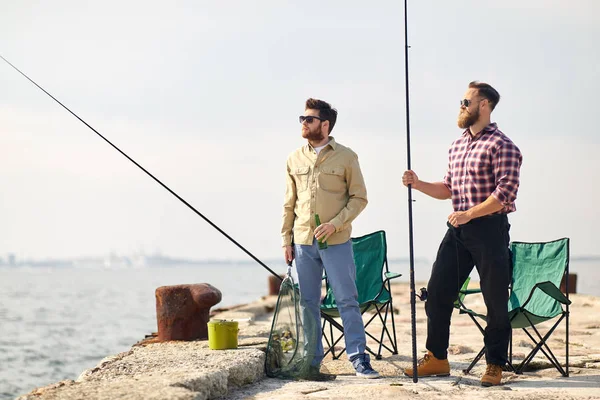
(467, 119)
(315, 135)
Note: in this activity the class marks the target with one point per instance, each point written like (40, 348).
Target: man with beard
(482, 180)
(323, 177)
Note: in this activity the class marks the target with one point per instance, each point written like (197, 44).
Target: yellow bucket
(222, 334)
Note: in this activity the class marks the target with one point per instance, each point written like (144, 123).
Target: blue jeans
(338, 261)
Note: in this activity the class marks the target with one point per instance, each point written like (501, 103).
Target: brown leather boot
(492, 376)
(430, 366)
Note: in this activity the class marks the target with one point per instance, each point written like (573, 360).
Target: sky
(206, 96)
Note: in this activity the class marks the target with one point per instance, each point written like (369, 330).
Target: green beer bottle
(322, 244)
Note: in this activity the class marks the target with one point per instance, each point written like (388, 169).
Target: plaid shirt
(486, 165)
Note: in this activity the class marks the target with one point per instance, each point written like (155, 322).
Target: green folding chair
(535, 297)
(373, 283)
(463, 292)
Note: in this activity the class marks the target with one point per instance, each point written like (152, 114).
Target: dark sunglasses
(309, 119)
(467, 102)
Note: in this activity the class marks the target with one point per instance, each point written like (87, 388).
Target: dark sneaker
(315, 374)
(362, 365)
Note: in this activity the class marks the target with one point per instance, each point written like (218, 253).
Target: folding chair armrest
(551, 290)
(464, 310)
(388, 276)
(391, 275)
(470, 291)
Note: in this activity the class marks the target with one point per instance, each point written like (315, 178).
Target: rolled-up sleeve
(448, 177)
(357, 197)
(288, 208)
(506, 165)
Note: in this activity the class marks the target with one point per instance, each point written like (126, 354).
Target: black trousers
(483, 242)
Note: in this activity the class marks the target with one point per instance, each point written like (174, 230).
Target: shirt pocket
(478, 166)
(333, 179)
(301, 178)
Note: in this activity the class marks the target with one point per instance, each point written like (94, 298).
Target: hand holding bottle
(323, 232)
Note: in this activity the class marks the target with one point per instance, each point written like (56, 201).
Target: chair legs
(475, 361)
(332, 341)
(482, 351)
(478, 357)
(541, 345)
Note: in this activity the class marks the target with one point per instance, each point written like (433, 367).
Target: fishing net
(293, 338)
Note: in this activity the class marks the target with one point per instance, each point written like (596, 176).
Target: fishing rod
(148, 173)
(410, 201)
(325, 316)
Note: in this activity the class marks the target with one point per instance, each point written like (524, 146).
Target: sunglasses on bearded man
(309, 119)
(467, 102)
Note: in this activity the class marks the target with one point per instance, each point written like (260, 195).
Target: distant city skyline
(133, 257)
(12, 260)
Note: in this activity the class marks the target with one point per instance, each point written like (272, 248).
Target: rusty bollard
(182, 311)
(274, 284)
(572, 284)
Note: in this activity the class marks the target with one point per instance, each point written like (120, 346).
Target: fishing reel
(423, 295)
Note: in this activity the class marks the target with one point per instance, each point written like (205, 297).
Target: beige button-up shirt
(329, 184)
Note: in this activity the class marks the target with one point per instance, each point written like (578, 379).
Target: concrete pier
(185, 370)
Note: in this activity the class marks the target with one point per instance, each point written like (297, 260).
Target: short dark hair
(325, 110)
(487, 92)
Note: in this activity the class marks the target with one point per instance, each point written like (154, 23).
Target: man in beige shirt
(323, 177)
